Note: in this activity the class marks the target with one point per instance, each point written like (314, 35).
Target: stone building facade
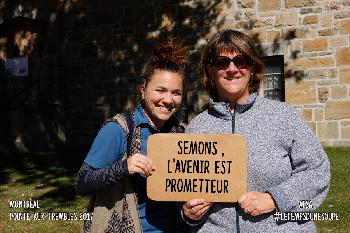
(313, 37)
(91, 53)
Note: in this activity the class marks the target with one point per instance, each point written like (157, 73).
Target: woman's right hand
(195, 209)
(139, 163)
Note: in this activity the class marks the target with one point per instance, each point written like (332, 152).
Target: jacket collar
(140, 117)
(172, 125)
(222, 109)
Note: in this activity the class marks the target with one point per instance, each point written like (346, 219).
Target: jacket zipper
(233, 115)
(233, 128)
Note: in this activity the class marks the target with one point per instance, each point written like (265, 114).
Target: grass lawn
(338, 199)
(50, 178)
(46, 177)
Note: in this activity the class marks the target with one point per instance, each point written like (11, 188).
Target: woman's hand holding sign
(256, 203)
(139, 163)
(195, 209)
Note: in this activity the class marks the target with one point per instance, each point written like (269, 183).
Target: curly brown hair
(230, 41)
(169, 56)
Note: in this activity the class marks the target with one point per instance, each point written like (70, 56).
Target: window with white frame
(273, 82)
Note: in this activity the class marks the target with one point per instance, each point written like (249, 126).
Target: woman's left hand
(195, 209)
(256, 203)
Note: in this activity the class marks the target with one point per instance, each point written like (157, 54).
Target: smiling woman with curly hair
(116, 167)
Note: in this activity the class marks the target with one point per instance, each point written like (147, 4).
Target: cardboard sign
(189, 166)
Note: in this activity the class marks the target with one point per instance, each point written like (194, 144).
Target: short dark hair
(230, 41)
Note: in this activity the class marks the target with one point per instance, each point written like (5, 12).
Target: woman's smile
(232, 78)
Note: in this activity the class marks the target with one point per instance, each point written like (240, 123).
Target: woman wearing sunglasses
(116, 167)
(287, 166)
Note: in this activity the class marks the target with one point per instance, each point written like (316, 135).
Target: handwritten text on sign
(213, 167)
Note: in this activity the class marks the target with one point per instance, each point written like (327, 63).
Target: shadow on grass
(4, 177)
(63, 196)
(54, 171)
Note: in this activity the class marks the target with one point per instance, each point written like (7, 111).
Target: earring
(212, 84)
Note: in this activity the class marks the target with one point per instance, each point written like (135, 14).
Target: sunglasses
(223, 62)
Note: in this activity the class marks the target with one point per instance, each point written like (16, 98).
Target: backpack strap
(126, 121)
(130, 122)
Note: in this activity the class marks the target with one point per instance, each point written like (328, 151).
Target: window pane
(273, 82)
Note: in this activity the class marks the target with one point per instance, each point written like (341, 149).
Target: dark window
(273, 82)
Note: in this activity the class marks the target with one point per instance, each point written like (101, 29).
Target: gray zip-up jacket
(284, 158)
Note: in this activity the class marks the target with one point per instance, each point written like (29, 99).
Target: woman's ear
(142, 90)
